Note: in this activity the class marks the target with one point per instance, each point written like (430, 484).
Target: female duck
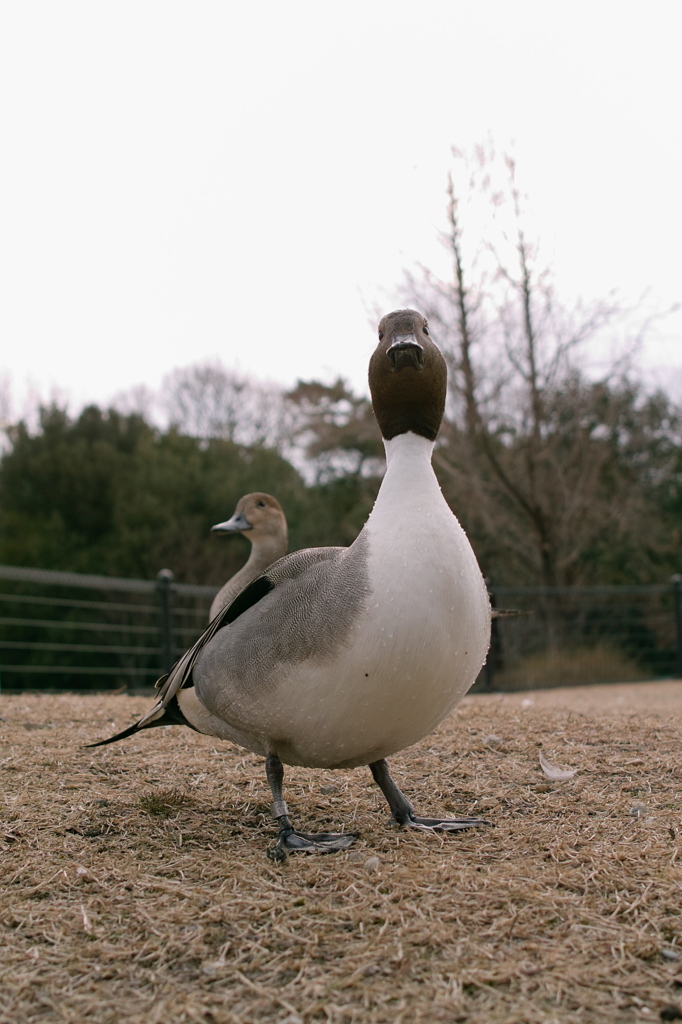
(259, 518)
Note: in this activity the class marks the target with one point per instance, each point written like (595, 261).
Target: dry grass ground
(136, 886)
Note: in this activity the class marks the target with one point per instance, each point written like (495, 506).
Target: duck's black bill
(406, 352)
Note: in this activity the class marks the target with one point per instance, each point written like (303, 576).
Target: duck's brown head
(407, 377)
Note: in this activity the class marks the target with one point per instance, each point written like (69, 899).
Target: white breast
(421, 641)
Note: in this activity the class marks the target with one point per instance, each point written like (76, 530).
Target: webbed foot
(292, 841)
(443, 824)
(403, 812)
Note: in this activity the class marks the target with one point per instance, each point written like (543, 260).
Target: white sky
(186, 180)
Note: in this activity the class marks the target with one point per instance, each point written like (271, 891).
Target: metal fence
(570, 636)
(67, 631)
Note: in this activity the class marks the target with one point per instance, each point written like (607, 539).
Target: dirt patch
(136, 886)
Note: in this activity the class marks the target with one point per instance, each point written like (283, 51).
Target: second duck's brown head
(258, 516)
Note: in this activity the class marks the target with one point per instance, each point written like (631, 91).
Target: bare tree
(531, 443)
(207, 400)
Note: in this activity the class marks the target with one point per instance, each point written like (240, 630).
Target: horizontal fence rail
(71, 631)
(570, 636)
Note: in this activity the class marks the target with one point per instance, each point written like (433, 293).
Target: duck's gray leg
(403, 811)
(289, 840)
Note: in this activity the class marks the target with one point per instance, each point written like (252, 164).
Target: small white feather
(554, 773)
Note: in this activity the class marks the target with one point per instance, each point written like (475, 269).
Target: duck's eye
(261, 504)
(381, 335)
(425, 329)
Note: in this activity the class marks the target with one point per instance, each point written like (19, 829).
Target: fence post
(677, 604)
(164, 585)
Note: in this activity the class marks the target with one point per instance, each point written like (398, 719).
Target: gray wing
(318, 598)
(290, 567)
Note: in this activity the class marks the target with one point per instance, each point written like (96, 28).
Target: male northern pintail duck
(260, 518)
(340, 657)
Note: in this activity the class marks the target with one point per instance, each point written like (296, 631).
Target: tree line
(592, 493)
(107, 492)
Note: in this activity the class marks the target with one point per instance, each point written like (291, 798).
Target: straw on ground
(137, 887)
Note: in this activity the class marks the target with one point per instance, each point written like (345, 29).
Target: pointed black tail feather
(119, 736)
(172, 715)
